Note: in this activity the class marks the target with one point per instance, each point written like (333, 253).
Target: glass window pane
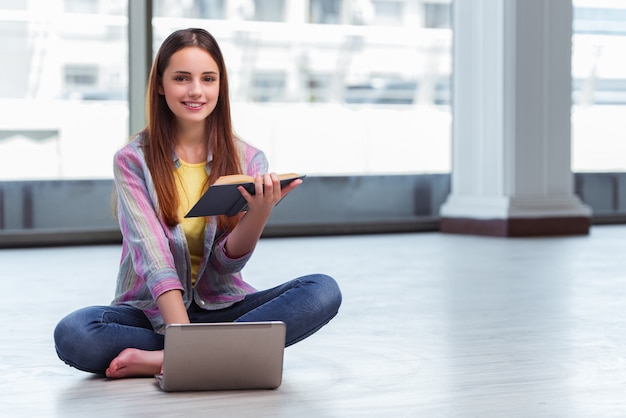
(269, 10)
(202, 9)
(437, 15)
(63, 101)
(325, 11)
(598, 86)
(334, 87)
(387, 12)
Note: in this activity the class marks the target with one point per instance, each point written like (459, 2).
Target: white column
(511, 170)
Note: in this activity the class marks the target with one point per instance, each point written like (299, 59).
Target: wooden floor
(432, 325)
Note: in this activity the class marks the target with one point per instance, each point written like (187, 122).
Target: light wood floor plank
(432, 325)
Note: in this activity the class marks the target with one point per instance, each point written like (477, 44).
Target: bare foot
(132, 362)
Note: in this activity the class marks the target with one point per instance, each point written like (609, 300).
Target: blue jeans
(89, 338)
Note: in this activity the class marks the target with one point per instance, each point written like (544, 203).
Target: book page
(243, 178)
(234, 179)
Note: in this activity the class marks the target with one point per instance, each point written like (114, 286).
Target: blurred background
(324, 87)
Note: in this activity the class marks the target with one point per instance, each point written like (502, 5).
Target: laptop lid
(223, 356)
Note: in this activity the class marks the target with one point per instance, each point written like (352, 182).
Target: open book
(223, 197)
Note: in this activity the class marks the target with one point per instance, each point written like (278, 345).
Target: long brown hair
(160, 131)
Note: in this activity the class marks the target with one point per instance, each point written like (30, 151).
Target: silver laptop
(223, 356)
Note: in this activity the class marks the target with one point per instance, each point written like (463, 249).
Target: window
(202, 9)
(382, 90)
(598, 19)
(339, 75)
(325, 11)
(437, 15)
(81, 6)
(334, 87)
(388, 12)
(267, 87)
(319, 87)
(81, 76)
(598, 86)
(63, 100)
(269, 10)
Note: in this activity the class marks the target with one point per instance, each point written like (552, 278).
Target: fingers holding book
(232, 194)
(268, 191)
(285, 188)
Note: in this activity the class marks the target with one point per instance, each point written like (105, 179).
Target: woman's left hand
(267, 192)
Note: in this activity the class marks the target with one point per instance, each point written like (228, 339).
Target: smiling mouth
(193, 104)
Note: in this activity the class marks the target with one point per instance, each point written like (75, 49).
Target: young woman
(180, 270)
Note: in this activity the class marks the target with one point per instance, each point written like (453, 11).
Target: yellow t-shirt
(190, 180)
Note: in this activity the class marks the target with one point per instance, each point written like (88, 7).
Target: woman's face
(191, 85)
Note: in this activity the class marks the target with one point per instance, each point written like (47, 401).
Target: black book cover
(225, 199)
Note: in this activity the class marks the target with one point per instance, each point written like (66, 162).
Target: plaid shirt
(155, 258)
